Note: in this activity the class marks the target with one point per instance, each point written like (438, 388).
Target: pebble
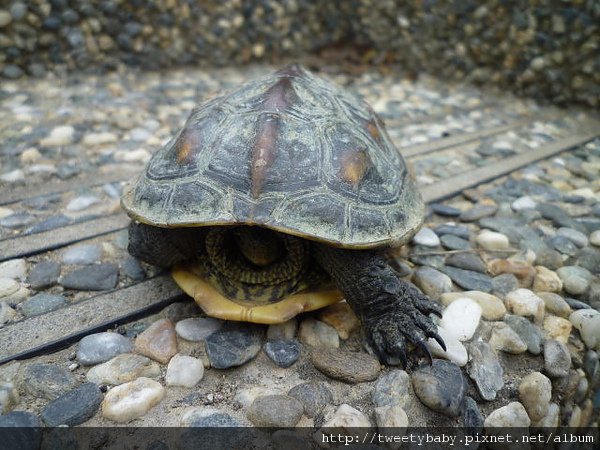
(546, 280)
(18, 219)
(345, 418)
(8, 286)
(132, 400)
(455, 350)
(82, 254)
(587, 321)
(100, 347)
(444, 210)
(452, 242)
(524, 272)
(440, 387)
(467, 279)
(59, 136)
(563, 245)
(523, 203)
(7, 314)
(511, 415)
(283, 331)
(391, 417)
(504, 338)
(315, 333)
(13, 268)
(245, 397)
(431, 281)
(472, 417)
(74, 407)
(557, 359)
(575, 236)
(82, 202)
(527, 331)
(47, 380)
(392, 389)
(467, 261)
(350, 367)
(525, 303)
(95, 277)
(233, 345)
(283, 353)
(589, 259)
(485, 370)
(453, 229)
(122, 369)
(491, 240)
(197, 329)
(492, 308)
(557, 328)
(550, 420)
(313, 395)
(422, 256)
(158, 341)
(504, 283)
(18, 420)
(478, 212)
(535, 393)
(276, 411)
(100, 138)
(555, 304)
(132, 268)
(44, 274)
(185, 371)
(341, 317)
(595, 238)
(461, 318)
(207, 418)
(426, 237)
(42, 303)
(9, 397)
(576, 280)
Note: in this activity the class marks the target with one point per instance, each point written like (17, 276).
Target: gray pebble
(577, 304)
(351, 367)
(440, 386)
(49, 223)
(74, 407)
(527, 331)
(577, 237)
(17, 220)
(588, 258)
(422, 256)
(477, 212)
(313, 395)
(82, 254)
(485, 370)
(468, 279)
(452, 242)
(233, 345)
(558, 216)
(26, 433)
(392, 389)
(504, 283)
(42, 303)
(557, 359)
(472, 419)
(283, 353)
(132, 268)
(466, 261)
(432, 282)
(275, 411)
(218, 419)
(100, 347)
(47, 380)
(444, 210)
(82, 202)
(44, 274)
(563, 245)
(460, 231)
(549, 258)
(96, 277)
(576, 280)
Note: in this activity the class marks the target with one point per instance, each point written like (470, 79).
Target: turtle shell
(291, 152)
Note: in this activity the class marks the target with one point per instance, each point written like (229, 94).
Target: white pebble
(30, 155)
(8, 286)
(246, 396)
(197, 329)
(523, 302)
(82, 202)
(13, 268)
(455, 351)
(92, 139)
(504, 338)
(184, 371)
(523, 203)
(62, 135)
(492, 308)
(595, 238)
(490, 240)
(140, 154)
(13, 176)
(316, 334)
(131, 400)
(511, 415)
(461, 318)
(426, 237)
(345, 418)
(587, 321)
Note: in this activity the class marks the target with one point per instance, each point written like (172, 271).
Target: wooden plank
(452, 186)
(32, 244)
(48, 332)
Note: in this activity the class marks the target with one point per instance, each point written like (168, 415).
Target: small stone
(523, 203)
(576, 280)
(455, 350)
(535, 393)
(44, 274)
(491, 240)
(527, 331)
(504, 338)
(74, 407)
(275, 411)
(9, 397)
(546, 280)
(555, 304)
(460, 231)
(95, 277)
(8, 286)
(132, 268)
(13, 268)
(197, 329)
(587, 321)
(82, 254)
(283, 353)
(523, 271)
(233, 345)
(82, 202)
(575, 236)
(391, 417)
(341, 317)
(550, 420)
(345, 419)
(504, 283)
(557, 328)
(313, 395)
(477, 212)
(485, 370)
(185, 371)
(444, 210)
(282, 331)
(14, 176)
(440, 387)
(7, 314)
(452, 242)
(42, 303)
(59, 136)
(467, 279)
(557, 359)
(432, 282)
(47, 380)
(207, 418)
(30, 155)
(466, 261)
(100, 347)
(472, 417)
(318, 334)
(392, 389)
(122, 369)
(351, 367)
(525, 303)
(511, 415)
(245, 397)
(461, 318)
(132, 400)
(595, 238)
(101, 138)
(492, 308)
(158, 341)
(426, 237)
(28, 439)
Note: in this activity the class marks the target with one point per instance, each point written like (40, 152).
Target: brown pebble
(351, 367)
(524, 272)
(341, 317)
(158, 341)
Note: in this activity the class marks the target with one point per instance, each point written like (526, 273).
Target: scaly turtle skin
(279, 198)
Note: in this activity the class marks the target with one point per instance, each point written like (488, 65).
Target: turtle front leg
(392, 311)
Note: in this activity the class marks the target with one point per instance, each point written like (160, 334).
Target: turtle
(280, 197)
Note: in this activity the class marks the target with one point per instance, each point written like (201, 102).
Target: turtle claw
(439, 340)
(425, 350)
